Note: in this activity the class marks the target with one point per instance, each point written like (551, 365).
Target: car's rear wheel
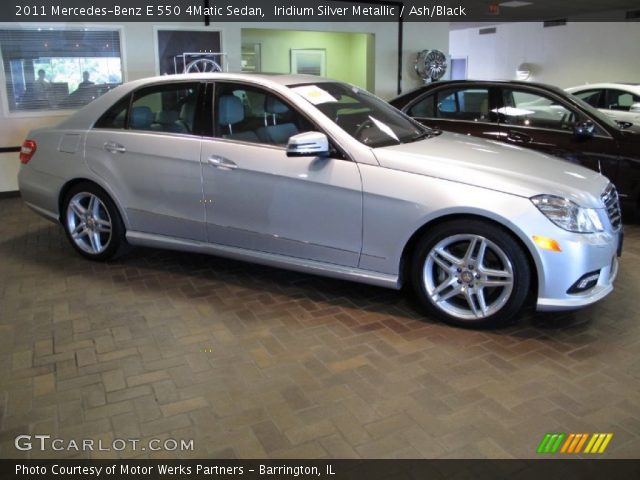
(471, 273)
(92, 222)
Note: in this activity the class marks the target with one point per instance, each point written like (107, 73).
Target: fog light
(585, 282)
(547, 243)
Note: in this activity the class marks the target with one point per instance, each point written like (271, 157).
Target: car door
(467, 109)
(541, 121)
(146, 152)
(258, 198)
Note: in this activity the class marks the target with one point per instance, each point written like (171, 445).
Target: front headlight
(568, 215)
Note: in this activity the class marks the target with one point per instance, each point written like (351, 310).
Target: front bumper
(581, 253)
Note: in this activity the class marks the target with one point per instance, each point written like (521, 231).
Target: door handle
(518, 137)
(114, 147)
(222, 162)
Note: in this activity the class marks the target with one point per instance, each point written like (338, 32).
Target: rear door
(147, 152)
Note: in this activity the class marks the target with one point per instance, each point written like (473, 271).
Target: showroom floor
(254, 362)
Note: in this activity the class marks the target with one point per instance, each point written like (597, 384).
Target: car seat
(230, 113)
(141, 118)
(187, 114)
(274, 133)
(167, 121)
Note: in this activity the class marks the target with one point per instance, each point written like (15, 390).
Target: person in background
(85, 80)
(41, 87)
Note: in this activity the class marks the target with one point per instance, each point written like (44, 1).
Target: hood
(495, 166)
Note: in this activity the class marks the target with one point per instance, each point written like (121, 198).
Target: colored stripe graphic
(551, 442)
(573, 443)
(598, 442)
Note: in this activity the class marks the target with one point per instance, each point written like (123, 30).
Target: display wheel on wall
(431, 65)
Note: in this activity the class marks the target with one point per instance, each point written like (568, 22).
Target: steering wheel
(362, 127)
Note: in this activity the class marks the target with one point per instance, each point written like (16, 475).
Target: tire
(471, 273)
(92, 223)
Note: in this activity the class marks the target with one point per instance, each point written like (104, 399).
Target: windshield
(362, 115)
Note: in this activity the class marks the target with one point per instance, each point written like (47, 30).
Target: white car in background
(621, 101)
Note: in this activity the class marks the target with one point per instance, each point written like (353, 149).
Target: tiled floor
(253, 362)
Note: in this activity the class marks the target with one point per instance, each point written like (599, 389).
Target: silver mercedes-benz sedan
(322, 177)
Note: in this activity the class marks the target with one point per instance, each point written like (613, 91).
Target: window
(592, 97)
(252, 114)
(53, 68)
(423, 108)
(620, 100)
(163, 108)
(116, 116)
(534, 110)
(471, 104)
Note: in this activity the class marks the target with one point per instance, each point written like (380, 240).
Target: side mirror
(308, 144)
(635, 108)
(584, 129)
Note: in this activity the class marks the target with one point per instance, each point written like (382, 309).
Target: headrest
(272, 105)
(230, 110)
(186, 112)
(141, 117)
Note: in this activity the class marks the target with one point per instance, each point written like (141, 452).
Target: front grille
(612, 205)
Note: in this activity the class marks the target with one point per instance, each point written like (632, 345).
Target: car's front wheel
(92, 222)
(471, 273)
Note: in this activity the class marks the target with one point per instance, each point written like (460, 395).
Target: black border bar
(556, 468)
(210, 11)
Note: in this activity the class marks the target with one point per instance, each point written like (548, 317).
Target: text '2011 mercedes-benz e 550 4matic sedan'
(322, 177)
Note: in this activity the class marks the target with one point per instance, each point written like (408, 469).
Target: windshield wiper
(425, 134)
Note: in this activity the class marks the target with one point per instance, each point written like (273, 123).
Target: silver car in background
(322, 177)
(620, 101)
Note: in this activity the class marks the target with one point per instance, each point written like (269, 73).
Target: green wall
(349, 55)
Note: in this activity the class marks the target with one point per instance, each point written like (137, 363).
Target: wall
(346, 53)
(139, 56)
(573, 54)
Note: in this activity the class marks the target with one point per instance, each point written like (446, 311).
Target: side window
(535, 110)
(252, 114)
(116, 116)
(592, 97)
(471, 104)
(164, 108)
(620, 100)
(423, 108)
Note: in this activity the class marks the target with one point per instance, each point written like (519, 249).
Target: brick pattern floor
(254, 362)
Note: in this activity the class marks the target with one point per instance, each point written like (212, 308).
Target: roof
(444, 83)
(629, 87)
(263, 78)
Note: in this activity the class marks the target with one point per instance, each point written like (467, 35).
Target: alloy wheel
(468, 276)
(89, 223)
